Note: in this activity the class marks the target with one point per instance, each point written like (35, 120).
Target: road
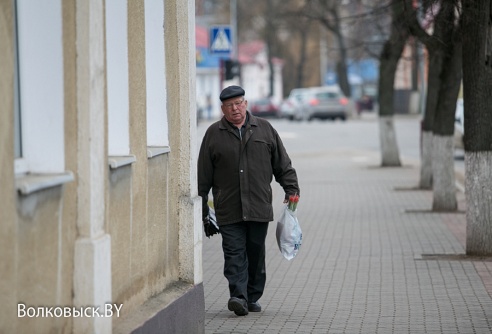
(321, 137)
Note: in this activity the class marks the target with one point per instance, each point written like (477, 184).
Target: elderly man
(239, 156)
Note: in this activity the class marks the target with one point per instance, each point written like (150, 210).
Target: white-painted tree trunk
(443, 174)
(389, 147)
(478, 189)
(426, 161)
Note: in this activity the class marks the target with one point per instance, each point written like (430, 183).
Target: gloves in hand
(210, 227)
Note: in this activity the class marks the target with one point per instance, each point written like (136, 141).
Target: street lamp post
(234, 28)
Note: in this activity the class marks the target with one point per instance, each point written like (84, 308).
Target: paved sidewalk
(366, 263)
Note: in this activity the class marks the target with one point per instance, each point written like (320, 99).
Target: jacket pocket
(262, 149)
(261, 141)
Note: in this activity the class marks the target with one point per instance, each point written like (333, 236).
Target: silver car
(326, 102)
(296, 102)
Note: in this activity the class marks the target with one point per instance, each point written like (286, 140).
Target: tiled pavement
(366, 264)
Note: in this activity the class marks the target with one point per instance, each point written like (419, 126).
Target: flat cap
(230, 92)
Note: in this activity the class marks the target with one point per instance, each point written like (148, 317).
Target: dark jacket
(240, 171)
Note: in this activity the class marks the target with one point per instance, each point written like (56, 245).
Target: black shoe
(254, 307)
(238, 305)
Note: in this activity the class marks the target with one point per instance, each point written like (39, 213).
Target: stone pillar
(179, 32)
(8, 221)
(92, 261)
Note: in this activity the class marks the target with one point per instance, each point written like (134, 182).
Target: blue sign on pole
(221, 40)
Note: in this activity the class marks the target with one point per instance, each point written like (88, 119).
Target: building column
(179, 32)
(92, 261)
(8, 221)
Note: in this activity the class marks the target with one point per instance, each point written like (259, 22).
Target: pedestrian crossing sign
(220, 40)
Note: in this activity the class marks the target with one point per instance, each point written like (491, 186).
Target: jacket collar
(225, 125)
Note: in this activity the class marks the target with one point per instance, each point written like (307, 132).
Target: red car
(264, 108)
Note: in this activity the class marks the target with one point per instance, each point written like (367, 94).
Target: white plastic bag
(212, 218)
(289, 234)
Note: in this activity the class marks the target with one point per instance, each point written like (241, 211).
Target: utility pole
(233, 18)
(235, 52)
(323, 59)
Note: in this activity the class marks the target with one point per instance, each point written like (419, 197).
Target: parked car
(459, 128)
(287, 108)
(264, 108)
(292, 106)
(326, 102)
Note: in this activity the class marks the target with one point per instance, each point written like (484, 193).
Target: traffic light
(232, 69)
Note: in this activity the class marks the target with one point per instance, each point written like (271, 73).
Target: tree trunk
(342, 69)
(343, 81)
(433, 83)
(302, 58)
(426, 161)
(443, 174)
(477, 89)
(389, 146)
(436, 58)
(478, 189)
(390, 56)
(270, 32)
(341, 65)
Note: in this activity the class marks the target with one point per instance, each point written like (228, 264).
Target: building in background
(208, 76)
(100, 218)
(254, 73)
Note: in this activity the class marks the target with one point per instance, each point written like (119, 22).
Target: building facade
(100, 219)
(254, 73)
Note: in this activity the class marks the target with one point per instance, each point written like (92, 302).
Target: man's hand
(209, 227)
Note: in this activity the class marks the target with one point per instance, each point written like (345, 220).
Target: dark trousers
(244, 254)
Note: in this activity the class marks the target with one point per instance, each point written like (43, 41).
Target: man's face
(235, 110)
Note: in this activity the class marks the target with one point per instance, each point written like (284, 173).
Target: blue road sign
(221, 40)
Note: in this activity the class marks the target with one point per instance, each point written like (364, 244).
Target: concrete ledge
(120, 161)
(178, 309)
(153, 151)
(29, 183)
